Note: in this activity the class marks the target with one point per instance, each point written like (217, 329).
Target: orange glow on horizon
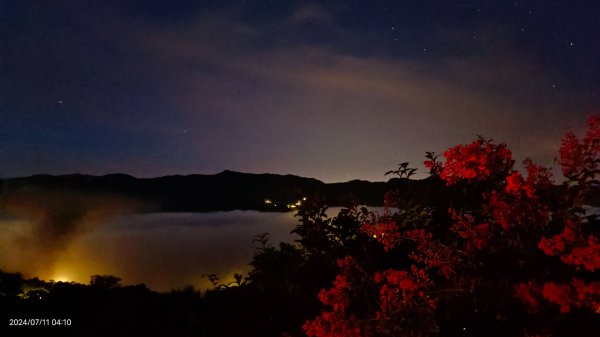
(62, 277)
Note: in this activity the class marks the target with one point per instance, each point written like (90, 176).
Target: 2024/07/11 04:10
(39, 322)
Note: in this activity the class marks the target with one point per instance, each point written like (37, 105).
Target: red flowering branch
(337, 321)
(575, 294)
(573, 247)
(579, 159)
(475, 161)
(516, 236)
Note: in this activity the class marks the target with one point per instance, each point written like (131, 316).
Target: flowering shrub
(385, 232)
(577, 158)
(475, 161)
(501, 240)
(337, 322)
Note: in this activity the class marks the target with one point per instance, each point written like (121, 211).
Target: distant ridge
(227, 190)
(224, 191)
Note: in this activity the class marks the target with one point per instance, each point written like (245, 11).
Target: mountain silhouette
(227, 190)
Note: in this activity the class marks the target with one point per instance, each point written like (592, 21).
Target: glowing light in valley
(61, 277)
(79, 273)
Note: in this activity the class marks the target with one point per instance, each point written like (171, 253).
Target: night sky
(335, 90)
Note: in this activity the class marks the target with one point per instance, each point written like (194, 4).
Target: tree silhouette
(105, 281)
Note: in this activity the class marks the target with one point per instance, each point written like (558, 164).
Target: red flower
(337, 322)
(573, 247)
(586, 255)
(572, 156)
(577, 157)
(576, 294)
(587, 294)
(401, 291)
(476, 236)
(434, 167)
(557, 244)
(514, 183)
(386, 233)
(537, 177)
(510, 211)
(592, 135)
(528, 293)
(558, 294)
(477, 160)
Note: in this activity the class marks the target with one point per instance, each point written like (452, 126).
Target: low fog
(70, 236)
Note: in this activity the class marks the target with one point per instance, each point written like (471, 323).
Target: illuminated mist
(39, 228)
(162, 250)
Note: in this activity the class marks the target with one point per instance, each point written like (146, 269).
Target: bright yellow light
(62, 275)
(304, 199)
(268, 201)
(61, 278)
